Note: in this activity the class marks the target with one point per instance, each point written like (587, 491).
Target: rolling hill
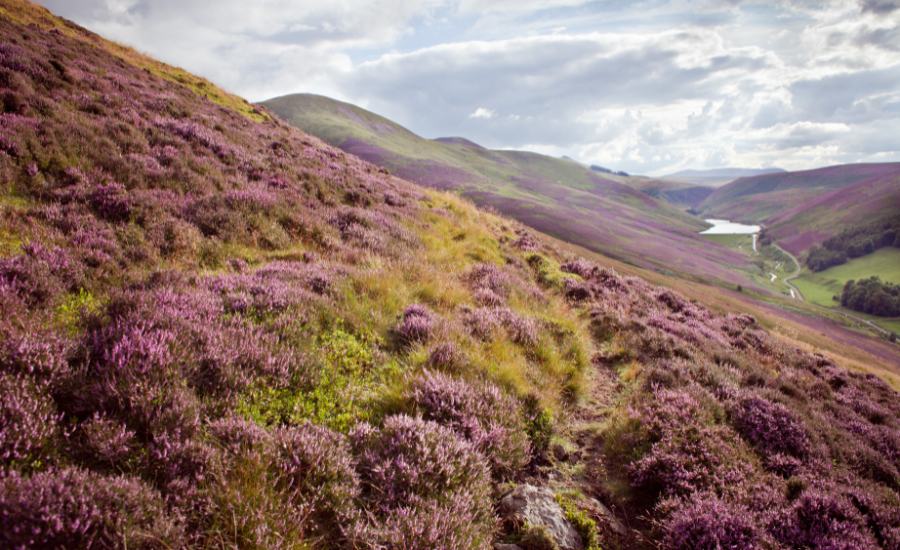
(800, 209)
(219, 331)
(557, 196)
(717, 177)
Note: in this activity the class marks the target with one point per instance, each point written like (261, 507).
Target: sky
(646, 86)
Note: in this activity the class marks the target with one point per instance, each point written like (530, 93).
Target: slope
(804, 208)
(717, 177)
(556, 196)
(220, 332)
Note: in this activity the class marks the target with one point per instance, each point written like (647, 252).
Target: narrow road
(795, 293)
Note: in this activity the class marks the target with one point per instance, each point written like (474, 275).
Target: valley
(298, 325)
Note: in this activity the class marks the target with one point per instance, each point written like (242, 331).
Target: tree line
(872, 296)
(853, 243)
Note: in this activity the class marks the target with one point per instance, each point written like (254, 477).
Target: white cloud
(482, 112)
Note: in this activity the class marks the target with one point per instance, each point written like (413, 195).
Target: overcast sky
(646, 86)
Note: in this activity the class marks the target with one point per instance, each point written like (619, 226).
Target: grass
(820, 287)
(766, 261)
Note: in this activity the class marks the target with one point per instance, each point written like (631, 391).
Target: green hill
(557, 196)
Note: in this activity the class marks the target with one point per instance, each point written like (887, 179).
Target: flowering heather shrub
(416, 325)
(481, 413)
(238, 434)
(688, 460)
(73, 508)
(314, 467)
(484, 322)
(580, 267)
(39, 274)
(487, 297)
(445, 356)
(706, 522)
(32, 351)
(411, 460)
(103, 441)
(27, 421)
(770, 427)
(577, 291)
(819, 519)
(454, 525)
(111, 201)
(489, 277)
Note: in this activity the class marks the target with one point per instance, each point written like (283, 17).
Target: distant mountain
(557, 196)
(680, 194)
(717, 177)
(803, 208)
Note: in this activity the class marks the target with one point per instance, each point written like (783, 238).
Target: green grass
(744, 243)
(820, 287)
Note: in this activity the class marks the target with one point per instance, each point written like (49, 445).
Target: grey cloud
(880, 7)
(551, 79)
(844, 96)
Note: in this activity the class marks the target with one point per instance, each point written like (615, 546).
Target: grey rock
(528, 504)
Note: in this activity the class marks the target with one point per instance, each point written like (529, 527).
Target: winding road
(795, 293)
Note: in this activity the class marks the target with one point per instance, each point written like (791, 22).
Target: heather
(220, 332)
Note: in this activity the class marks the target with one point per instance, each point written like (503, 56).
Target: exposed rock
(536, 506)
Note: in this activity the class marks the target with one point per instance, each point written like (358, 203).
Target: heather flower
(411, 458)
(416, 324)
(484, 322)
(27, 420)
(111, 201)
(822, 520)
(104, 441)
(577, 291)
(315, 468)
(580, 267)
(40, 354)
(40, 273)
(454, 525)
(236, 433)
(489, 277)
(480, 413)
(76, 508)
(444, 356)
(706, 522)
(770, 427)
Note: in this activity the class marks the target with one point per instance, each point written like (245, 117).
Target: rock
(536, 506)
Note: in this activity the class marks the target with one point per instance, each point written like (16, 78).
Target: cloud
(649, 86)
(482, 112)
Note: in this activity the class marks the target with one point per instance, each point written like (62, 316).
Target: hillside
(680, 194)
(556, 196)
(803, 208)
(717, 177)
(221, 332)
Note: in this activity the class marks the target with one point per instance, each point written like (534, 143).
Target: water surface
(726, 227)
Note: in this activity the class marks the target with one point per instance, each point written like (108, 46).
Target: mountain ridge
(555, 196)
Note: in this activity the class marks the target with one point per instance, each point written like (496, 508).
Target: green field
(820, 288)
